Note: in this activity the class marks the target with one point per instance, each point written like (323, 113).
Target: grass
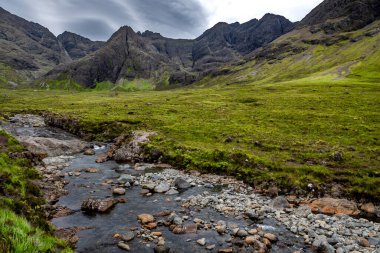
(285, 132)
(23, 227)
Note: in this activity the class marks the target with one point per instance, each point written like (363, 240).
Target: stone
(210, 247)
(226, 250)
(99, 205)
(271, 237)
(119, 191)
(161, 249)
(369, 208)
(322, 246)
(161, 188)
(242, 233)
(252, 231)
(102, 158)
(129, 236)
(221, 229)
(125, 178)
(151, 225)
(334, 206)
(181, 183)
(89, 151)
(171, 192)
(145, 218)
(279, 202)
(250, 240)
(202, 241)
(123, 246)
(157, 233)
(92, 170)
(363, 242)
(177, 220)
(191, 228)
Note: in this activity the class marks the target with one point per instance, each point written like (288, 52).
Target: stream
(99, 232)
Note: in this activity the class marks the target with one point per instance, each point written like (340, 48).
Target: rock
(171, 192)
(242, 233)
(369, 208)
(161, 249)
(271, 237)
(157, 233)
(250, 240)
(118, 191)
(148, 186)
(89, 151)
(151, 225)
(99, 205)
(177, 220)
(181, 183)
(191, 228)
(363, 242)
(334, 206)
(123, 246)
(161, 188)
(129, 236)
(144, 191)
(202, 241)
(144, 166)
(145, 218)
(102, 158)
(322, 246)
(220, 229)
(252, 215)
(227, 250)
(279, 202)
(178, 230)
(92, 170)
(303, 211)
(210, 247)
(252, 231)
(125, 178)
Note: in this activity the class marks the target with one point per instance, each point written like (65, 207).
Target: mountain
(333, 42)
(77, 46)
(148, 55)
(342, 15)
(28, 47)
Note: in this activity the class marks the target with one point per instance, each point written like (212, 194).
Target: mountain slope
(171, 61)
(28, 47)
(77, 46)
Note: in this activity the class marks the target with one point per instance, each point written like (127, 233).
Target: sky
(98, 19)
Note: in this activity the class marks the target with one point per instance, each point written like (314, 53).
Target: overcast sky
(98, 19)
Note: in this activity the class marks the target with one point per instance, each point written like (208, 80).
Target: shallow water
(123, 217)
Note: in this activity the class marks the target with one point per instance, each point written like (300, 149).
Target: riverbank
(144, 206)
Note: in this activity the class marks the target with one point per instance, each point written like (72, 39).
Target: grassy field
(317, 131)
(23, 227)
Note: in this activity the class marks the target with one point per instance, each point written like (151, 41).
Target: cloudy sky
(98, 19)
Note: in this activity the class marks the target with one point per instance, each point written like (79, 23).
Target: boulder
(279, 202)
(162, 187)
(119, 191)
(181, 183)
(99, 205)
(145, 218)
(334, 206)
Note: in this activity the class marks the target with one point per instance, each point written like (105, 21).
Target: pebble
(202, 241)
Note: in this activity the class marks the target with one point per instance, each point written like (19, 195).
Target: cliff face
(149, 55)
(28, 46)
(77, 46)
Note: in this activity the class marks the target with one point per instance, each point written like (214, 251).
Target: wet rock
(92, 170)
(279, 202)
(334, 206)
(181, 183)
(144, 191)
(102, 158)
(161, 249)
(145, 218)
(210, 247)
(242, 233)
(171, 192)
(191, 228)
(227, 250)
(129, 236)
(270, 237)
(119, 191)
(99, 205)
(150, 187)
(178, 230)
(151, 225)
(250, 240)
(202, 241)
(89, 151)
(322, 246)
(126, 178)
(123, 246)
(162, 187)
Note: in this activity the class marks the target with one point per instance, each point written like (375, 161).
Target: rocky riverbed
(102, 206)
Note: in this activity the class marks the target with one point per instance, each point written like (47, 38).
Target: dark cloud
(98, 19)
